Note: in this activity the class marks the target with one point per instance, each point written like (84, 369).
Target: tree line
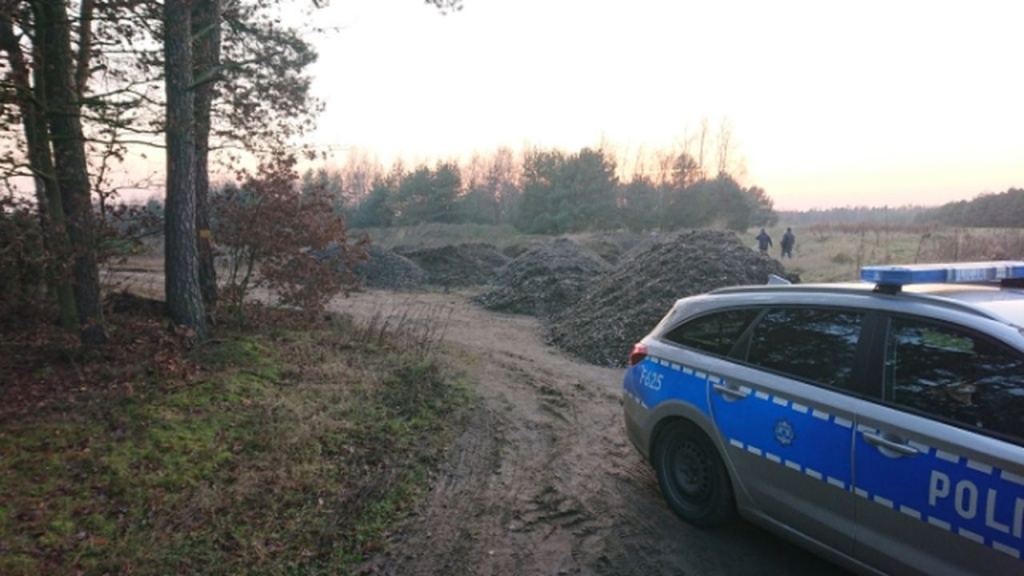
(542, 191)
(853, 215)
(988, 210)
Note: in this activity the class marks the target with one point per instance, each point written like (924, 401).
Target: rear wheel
(692, 476)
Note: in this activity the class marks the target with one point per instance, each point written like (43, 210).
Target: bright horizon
(870, 104)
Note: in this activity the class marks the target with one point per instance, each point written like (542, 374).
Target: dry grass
(827, 253)
(274, 449)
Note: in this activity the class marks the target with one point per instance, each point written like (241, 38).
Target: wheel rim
(691, 473)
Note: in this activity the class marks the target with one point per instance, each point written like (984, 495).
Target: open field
(835, 253)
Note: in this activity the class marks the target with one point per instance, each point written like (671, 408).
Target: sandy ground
(543, 481)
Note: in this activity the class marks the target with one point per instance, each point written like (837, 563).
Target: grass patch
(290, 450)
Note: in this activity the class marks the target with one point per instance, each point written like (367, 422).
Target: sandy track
(543, 480)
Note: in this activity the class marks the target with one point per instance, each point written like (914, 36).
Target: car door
(786, 417)
(940, 463)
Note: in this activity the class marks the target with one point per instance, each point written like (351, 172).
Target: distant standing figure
(764, 241)
(788, 239)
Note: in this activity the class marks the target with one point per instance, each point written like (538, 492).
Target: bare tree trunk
(84, 45)
(181, 270)
(724, 146)
(703, 141)
(63, 108)
(51, 211)
(206, 23)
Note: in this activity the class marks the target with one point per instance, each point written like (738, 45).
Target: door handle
(734, 393)
(882, 442)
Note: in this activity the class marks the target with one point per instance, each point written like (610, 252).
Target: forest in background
(537, 191)
(555, 192)
(544, 191)
(986, 210)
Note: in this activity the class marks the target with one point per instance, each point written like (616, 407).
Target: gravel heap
(388, 270)
(603, 325)
(471, 264)
(546, 279)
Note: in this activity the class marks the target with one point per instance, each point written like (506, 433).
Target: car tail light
(638, 354)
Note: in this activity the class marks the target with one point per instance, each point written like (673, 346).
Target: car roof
(985, 299)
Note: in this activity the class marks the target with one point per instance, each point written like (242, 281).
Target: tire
(692, 477)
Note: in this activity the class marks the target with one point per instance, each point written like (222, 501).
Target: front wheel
(692, 476)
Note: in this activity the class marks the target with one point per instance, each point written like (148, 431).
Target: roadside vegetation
(277, 447)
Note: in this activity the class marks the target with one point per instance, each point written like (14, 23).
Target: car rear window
(713, 333)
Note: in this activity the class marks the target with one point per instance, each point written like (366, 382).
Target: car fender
(671, 410)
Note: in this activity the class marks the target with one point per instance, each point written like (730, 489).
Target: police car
(879, 424)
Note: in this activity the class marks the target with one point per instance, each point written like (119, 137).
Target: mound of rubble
(602, 326)
(545, 279)
(387, 270)
(470, 264)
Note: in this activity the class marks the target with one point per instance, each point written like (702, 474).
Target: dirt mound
(546, 279)
(626, 304)
(388, 270)
(612, 245)
(471, 264)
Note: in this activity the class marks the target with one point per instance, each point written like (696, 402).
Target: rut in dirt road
(543, 480)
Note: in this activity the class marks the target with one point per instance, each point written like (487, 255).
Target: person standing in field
(764, 242)
(788, 239)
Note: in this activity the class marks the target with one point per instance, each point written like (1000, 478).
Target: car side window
(713, 333)
(954, 374)
(812, 344)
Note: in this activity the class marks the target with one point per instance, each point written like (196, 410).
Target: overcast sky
(830, 104)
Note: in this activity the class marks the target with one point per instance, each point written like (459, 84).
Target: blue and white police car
(879, 424)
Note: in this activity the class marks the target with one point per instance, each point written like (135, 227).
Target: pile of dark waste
(387, 270)
(459, 265)
(604, 323)
(612, 245)
(546, 279)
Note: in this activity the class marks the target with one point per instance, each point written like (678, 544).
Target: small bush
(275, 235)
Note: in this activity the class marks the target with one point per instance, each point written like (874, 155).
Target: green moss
(232, 351)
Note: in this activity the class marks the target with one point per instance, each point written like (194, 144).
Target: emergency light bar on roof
(896, 276)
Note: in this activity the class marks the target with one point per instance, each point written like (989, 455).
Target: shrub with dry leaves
(274, 235)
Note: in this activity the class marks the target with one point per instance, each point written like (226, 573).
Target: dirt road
(543, 481)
